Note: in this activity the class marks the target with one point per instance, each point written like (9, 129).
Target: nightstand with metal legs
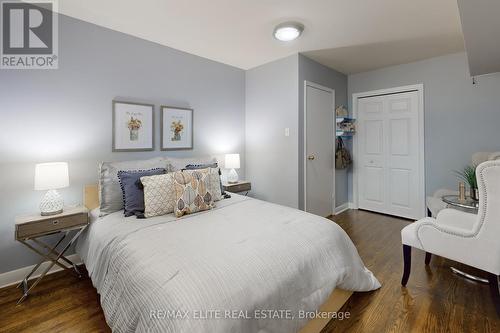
(30, 229)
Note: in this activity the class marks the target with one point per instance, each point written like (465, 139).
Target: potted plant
(468, 174)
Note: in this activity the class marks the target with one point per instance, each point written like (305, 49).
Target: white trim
(16, 276)
(395, 90)
(342, 208)
(332, 91)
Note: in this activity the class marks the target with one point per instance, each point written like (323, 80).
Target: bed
(244, 266)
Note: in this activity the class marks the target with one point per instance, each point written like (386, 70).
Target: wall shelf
(344, 119)
(345, 127)
(347, 134)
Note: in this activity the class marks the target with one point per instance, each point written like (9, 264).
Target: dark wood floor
(60, 303)
(435, 300)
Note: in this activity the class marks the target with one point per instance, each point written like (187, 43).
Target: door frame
(419, 88)
(327, 89)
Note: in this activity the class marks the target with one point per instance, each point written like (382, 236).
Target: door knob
(310, 157)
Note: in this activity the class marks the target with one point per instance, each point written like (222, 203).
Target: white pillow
(110, 193)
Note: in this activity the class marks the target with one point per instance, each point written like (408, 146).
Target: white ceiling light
(288, 31)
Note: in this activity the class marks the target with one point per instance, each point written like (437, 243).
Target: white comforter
(220, 270)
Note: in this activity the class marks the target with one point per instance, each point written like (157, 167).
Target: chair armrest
(447, 241)
(456, 219)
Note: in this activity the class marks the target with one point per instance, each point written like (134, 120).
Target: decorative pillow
(110, 194)
(132, 190)
(217, 180)
(159, 194)
(193, 192)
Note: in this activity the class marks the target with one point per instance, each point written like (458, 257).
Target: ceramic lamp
(50, 177)
(232, 162)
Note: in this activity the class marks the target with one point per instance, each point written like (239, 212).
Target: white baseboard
(342, 208)
(16, 276)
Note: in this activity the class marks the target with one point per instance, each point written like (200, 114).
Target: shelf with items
(344, 119)
(345, 127)
(345, 134)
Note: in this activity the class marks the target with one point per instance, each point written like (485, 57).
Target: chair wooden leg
(428, 257)
(407, 264)
(495, 294)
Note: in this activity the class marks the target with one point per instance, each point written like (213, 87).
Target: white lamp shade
(232, 161)
(51, 176)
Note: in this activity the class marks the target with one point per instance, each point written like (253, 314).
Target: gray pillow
(178, 164)
(110, 193)
(133, 191)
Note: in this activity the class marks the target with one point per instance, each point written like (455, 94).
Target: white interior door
(389, 152)
(319, 143)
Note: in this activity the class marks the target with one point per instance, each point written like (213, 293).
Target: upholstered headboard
(91, 196)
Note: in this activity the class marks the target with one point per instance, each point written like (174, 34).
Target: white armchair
(464, 237)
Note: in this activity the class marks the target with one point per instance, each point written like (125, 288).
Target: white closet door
(389, 168)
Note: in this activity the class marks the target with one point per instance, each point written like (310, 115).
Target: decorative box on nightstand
(29, 230)
(241, 186)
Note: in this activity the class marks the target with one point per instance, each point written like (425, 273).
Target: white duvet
(245, 266)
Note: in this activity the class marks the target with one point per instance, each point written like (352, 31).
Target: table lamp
(232, 162)
(50, 177)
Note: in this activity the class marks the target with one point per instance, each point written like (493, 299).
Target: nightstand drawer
(51, 224)
(239, 187)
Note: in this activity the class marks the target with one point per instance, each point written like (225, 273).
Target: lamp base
(52, 203)
(51, 213)
(232, 177)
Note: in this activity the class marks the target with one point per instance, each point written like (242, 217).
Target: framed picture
(176, 128)
(133, 127)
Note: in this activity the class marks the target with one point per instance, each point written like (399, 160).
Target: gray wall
(460, 118)
(65, 114)
(272, 106)
(310, 70)
(275, 101)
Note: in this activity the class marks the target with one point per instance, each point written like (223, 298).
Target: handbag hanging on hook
(342, 156)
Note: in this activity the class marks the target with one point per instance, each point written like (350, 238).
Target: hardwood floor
(60, 303)
(435, 299)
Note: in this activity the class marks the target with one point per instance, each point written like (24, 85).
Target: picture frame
(176, 125)
(133, 126)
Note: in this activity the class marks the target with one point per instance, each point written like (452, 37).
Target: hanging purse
(342, 156)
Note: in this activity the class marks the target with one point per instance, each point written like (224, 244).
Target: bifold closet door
(389, 153)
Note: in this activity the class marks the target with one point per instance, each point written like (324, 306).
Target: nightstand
(241, 186)
(30, 228)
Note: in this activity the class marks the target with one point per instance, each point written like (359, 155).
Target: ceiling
(479, 24)
(348, 35)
